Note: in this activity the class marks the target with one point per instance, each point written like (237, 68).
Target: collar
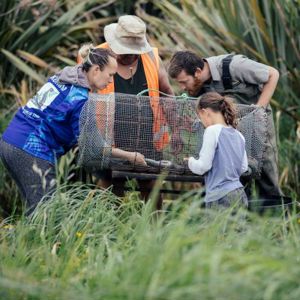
(213, 69)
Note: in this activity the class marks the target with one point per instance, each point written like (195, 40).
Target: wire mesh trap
(164, 129)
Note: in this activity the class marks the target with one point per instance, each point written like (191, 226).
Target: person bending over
(48, 125)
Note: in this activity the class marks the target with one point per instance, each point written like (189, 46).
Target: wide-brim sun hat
(128, 36)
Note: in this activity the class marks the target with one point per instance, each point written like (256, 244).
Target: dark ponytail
(219, 103)
(94, 56)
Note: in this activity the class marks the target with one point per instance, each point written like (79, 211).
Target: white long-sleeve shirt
(222, 159)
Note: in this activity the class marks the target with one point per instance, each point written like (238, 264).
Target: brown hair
(185, 60)
(94, 56)
(219, 103)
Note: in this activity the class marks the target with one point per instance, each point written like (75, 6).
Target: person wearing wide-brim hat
(128, 36)
(128, 40)
(139, 68)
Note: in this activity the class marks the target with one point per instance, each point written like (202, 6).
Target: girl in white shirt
(222, 158)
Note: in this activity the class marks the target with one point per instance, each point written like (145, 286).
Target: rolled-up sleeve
(247, 70)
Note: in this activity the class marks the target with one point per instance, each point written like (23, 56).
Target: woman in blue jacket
(48, 125)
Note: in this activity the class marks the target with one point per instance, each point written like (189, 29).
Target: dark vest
(134, 119)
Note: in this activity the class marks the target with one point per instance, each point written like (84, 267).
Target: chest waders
(267, 185)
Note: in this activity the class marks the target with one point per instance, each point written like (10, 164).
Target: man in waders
(245, 80)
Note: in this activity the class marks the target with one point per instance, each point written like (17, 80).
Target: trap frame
(164, 129)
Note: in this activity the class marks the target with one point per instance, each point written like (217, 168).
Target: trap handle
(182, 96)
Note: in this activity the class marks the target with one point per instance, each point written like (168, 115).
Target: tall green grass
(86, 244)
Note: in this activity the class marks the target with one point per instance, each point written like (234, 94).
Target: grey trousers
(236, 197)
(34, 177)
(268, 184)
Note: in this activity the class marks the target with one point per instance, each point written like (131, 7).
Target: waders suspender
(226, 77)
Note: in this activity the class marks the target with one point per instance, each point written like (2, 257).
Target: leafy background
(86, 244)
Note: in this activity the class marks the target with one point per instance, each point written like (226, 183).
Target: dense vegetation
(85, 244)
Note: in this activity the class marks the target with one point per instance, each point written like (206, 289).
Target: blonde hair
(94, 56)
(84, 52)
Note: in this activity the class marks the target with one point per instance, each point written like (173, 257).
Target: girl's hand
(186, 159)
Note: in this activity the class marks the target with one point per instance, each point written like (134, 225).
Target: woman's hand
(137, 158)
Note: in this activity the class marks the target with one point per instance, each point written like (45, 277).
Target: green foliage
(85, 244)
(44, 29)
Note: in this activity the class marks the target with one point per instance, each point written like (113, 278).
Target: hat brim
(119, 46)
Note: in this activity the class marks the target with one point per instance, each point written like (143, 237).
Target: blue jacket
(48, 125)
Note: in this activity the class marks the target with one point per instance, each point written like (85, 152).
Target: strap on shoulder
(226, 77)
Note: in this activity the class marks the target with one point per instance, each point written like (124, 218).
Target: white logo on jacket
(44, 97)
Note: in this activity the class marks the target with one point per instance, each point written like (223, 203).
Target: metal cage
(151, 126)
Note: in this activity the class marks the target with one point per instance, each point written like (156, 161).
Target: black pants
(34, 177)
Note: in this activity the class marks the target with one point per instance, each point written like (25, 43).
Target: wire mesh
(164, 129)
